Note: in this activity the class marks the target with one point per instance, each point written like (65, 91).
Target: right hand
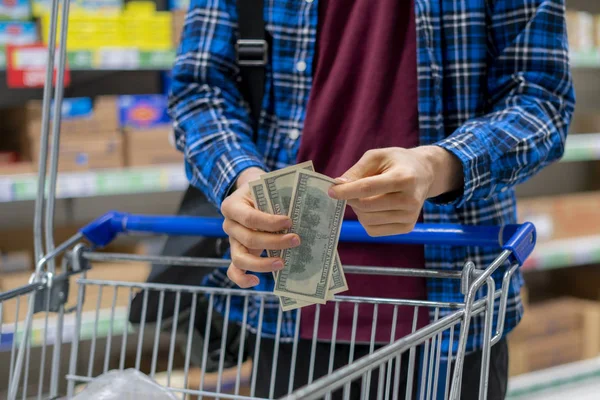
(251, 232)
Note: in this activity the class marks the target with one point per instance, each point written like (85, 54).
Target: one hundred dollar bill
(257, 188)
(279, 187)
(317, 219)
(338, 281)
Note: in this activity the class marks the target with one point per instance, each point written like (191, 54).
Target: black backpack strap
(252, 52)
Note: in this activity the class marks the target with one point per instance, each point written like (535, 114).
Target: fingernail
(277, 264)
(342, 179)
(255, 281)
(295, 241)
(288, 223)
(331, 193)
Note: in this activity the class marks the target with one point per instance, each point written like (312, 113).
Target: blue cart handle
(519, 239)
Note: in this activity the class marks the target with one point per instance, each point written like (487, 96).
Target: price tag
(26, 66)
(118, 58)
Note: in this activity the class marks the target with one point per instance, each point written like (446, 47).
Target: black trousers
(498, 375)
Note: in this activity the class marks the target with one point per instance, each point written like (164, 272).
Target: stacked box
(41, 7)
(138, 26)
(90, 136)
(17, 33)
(562, 217)
(148, 130)
(80, 116)
(15, 10)
(555, 332)
(580, 30)
(145, 28)
(178, 23)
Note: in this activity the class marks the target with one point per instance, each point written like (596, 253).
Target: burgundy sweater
(364, 96)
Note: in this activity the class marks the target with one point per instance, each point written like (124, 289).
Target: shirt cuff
(476, 162)
(224, 173)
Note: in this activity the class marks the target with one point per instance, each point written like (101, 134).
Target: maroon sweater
(364, 96)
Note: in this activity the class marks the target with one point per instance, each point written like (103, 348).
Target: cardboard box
(18, 168)
(597, 31)
(41, 7)
(555, 332)
(562, 217)
(8, 157)
(80, 116)
(585, 122)
(143, 111)
(178, 23)
(84, 153)
(152, 146)
(15, 10)
(18, 33)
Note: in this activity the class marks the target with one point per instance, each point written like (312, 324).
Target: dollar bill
(257, 189)
(317, 219)
(279, 187)
(338, 281)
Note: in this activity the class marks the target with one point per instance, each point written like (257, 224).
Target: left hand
(387, 187)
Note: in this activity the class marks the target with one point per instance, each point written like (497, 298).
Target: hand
(386, 188)
(251, 232)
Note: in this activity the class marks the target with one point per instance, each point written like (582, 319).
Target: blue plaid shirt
(494, 89)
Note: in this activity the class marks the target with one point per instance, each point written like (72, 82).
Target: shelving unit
(582, 147)
(89, 328)
(580, 380)
(98, 183)
(134, 59)
(114, 59)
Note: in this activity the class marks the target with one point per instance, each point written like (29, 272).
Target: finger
(252, 218)
(260, 240)
(385, 202)
(243, 259)
(368, 165)
(389, 229)
(365, 187)
(387, 217)
(240, 278)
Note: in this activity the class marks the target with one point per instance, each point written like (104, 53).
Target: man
(426, 110)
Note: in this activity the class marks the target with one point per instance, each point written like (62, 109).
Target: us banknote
(258, 190)
(317, 219)
(279, 186)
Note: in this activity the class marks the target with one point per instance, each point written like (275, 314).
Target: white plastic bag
(129, 384)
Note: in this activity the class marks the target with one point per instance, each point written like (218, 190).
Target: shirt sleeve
(531, 101)
(212, 121)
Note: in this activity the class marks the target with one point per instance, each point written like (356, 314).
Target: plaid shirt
(494, 89)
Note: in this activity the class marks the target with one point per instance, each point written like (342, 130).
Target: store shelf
(98, 183)
(582, 147)
(114, 59)
(565, 253)
(580, 380)
(589, 59)
(133, 59)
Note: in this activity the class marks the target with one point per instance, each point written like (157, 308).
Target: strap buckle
(252, 52)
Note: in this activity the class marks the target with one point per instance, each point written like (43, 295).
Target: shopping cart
(56, 341)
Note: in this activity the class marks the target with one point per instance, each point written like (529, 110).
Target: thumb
(368, 165)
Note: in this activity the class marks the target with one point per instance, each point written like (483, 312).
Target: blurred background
(116, 153)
